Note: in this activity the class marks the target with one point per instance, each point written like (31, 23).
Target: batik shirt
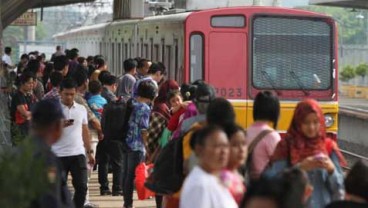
(139, 120)
(52, 94)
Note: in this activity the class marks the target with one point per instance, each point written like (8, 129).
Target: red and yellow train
(240, 51)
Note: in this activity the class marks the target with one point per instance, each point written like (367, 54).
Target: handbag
(141, 174)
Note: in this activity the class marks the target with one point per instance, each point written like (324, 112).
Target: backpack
(168, 173)
(167, 176)
(115, 119)
(245, 170)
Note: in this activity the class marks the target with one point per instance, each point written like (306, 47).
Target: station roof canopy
(12, 9)
(48, 3)
(357, 4)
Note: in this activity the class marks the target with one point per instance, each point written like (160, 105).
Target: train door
(227, 58)
(216, 51)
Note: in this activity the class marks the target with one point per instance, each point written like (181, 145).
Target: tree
(41, 33)
(24, 177)
(347, 73)
(362, 70)
(352, 30)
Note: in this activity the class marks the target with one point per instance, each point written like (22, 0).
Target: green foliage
(361, 70)
(352, 30)
(347, 73)
(41, 33)
(23, 177)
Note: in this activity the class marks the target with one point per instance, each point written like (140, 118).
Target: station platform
(110, 201)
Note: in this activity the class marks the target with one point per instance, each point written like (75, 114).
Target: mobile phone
(320, 156)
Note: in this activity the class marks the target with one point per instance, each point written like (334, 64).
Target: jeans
(111, 152)
(77, 166)
(131, 161)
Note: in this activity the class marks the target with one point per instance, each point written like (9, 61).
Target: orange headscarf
(296, 146)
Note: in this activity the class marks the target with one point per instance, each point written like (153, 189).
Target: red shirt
(175, 119)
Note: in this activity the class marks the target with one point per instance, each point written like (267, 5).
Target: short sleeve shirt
(71, 141)
(108, 95)
(6, 58)
(138, 121)
(18, 99)
(125, 87)
(52, 94)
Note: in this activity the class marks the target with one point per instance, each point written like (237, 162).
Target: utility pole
(1, 31)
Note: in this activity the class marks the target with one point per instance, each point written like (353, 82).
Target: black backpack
(167, 176)
(115, 119)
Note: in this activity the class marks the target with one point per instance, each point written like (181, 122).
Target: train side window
(151, 54)
(142, 47)
(126, 51)
(228, 21)
(131, 49)
(145, 53)
(112, 57)
(119, 59)
(167, 63)
(196, 57)
(156, 51)
(162, 57)
(176, 57)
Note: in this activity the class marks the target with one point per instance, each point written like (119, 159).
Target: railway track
(352, 158)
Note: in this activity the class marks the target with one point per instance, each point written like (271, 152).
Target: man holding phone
(74, 145)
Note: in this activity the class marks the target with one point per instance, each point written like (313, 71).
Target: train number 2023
(229, 92)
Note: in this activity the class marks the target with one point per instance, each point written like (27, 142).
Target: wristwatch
(90, 151)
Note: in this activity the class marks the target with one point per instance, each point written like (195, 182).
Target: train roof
(89, 27)
(183, 16)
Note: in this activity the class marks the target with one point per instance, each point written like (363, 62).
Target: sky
(293, 3)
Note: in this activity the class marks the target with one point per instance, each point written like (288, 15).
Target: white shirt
(6, 58)
(71, 141)
(203, 190)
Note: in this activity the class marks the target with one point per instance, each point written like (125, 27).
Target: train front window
(292, 53)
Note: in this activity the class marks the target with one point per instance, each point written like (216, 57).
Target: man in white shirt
(74, 144)
(7, 59)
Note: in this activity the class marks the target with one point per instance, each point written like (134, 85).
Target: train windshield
(291, 53)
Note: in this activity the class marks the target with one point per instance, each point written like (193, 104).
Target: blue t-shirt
(139, 120)
(96, 103)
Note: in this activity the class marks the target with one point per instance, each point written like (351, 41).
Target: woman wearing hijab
(307, 146)
(160, 117)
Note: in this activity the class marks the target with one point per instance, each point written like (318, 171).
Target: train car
(240, 51)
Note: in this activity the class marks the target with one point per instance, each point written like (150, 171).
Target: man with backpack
(110, 150)
(114, 127)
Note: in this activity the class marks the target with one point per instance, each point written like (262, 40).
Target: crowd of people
(83, 117)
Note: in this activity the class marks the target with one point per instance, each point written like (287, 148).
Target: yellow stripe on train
(244, 113)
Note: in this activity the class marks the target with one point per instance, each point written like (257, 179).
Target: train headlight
(329, 120)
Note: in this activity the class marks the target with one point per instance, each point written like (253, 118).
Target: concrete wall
(353, 130)
(353, 54)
